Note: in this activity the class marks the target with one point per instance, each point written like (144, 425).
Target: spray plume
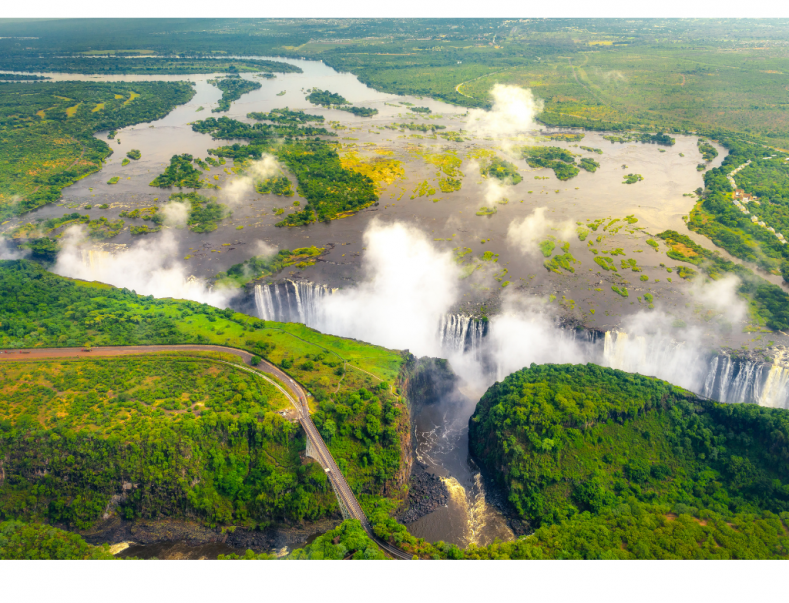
(146, 268)
(513, 112)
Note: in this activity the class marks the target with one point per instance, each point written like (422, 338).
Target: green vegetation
(449, 185)
(278, 185)
(424, 110)
(416, 127)
(232, 89)
(562, 162)
(564, 261)
(589, 164)
(258, 267)
(36, 541)
(708, 152)
(547, 246)
(346, 541)
(592, 150)
(605, 263)
(719, 219)
(331, 190)
(632, 178)
(195, 438)
(224, 127)
(359, 111)
(22, 76)
(205, 213)
(769, 302)
(114, 180)
(609, 75)
(630, 263)
(660, 138)
(620, 291)
(180, 173)
(134, 154)
(286, 117)
(585, 449)
(144, 66)
(325, 98)
(46, 132)
(501, 169)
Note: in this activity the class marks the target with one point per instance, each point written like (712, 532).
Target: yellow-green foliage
(382, 170)
(424, 189)
(605, 263)
(561, 262)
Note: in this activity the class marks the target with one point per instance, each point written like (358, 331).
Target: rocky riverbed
(426, 493)
(177, 539)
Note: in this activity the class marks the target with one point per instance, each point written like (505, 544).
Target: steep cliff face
(422, 381)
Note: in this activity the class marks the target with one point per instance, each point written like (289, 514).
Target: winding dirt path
(292, 390)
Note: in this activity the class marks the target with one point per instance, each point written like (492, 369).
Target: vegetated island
(332, 100)
(610, 465)
(232, 87)
(144, 66)
(46, 138)
(331, 190)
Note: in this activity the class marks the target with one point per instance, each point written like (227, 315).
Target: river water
(441, 430)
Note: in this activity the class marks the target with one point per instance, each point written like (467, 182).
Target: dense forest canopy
(98, 424)
(573, 443)
(46, 132)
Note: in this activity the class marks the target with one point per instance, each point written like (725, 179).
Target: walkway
(292, 390)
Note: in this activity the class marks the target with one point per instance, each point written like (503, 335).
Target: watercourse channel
(440, 430)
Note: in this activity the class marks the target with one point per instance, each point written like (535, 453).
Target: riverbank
(179, 539)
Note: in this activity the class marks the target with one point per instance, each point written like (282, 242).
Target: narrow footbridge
(298, 397)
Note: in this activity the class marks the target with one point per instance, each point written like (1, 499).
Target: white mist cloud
(524, 333)
(495, 191)
(409, 286)
(8, 252)
(527, 233)
(721, 297)
(264, 249)
(149, 268)
(240, 188)
(513, 112)
(175, 214)
(648, 344)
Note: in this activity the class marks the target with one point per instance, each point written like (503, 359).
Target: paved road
(292, 390)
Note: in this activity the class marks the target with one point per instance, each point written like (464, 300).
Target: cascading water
(743, 380)
(291, 301)
(656, 356)
(461, 333)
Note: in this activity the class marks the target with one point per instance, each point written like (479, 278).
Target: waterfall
(461, 333)
(264, 303)
(741, 380)
(290, 301)
(775, 392)
(709, 383)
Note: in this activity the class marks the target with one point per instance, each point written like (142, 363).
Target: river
(441, 430)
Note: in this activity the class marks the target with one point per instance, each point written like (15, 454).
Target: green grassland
(579, 446)
(769, 304)
(180, 409)
(702, 74)
(232, 89)
(143, 66)
(46, 132)
(23, 541)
